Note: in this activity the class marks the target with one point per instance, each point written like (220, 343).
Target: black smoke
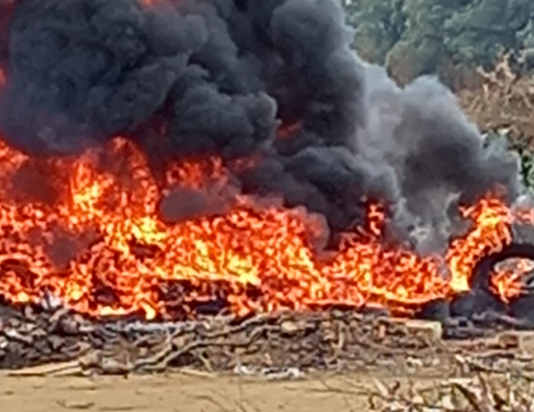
(220, 76)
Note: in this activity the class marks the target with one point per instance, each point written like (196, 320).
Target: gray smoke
(219, 76)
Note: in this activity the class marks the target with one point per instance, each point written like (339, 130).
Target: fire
(101, 246)
(491, 231)
(506, 281)
(286, 130)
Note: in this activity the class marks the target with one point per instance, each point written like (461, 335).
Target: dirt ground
(181, 393)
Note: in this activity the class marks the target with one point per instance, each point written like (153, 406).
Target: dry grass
(504, 100)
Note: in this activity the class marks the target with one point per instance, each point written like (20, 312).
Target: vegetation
(502, 107)
(414, 37)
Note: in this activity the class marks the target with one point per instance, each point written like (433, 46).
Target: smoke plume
(192, 78)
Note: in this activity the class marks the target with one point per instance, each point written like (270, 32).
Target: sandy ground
(180, 393)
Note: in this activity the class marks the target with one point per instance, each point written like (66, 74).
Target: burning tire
(519, 300)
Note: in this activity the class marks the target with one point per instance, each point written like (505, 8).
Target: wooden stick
(50, 369)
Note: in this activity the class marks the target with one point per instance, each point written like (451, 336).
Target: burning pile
(101, 248)
(162, 158)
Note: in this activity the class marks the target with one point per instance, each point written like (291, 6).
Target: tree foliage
(424, 36)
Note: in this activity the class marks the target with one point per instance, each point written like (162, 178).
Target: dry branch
(483, 393)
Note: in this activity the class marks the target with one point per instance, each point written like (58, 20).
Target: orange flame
(101, 246)
(491, 231)
(287, 130)
(506, 282)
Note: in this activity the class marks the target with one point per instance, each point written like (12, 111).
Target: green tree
(421, 49)
(378, 26)
(477, 33)
(414, 37)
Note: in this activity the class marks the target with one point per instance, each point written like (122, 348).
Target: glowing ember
(101, 247)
